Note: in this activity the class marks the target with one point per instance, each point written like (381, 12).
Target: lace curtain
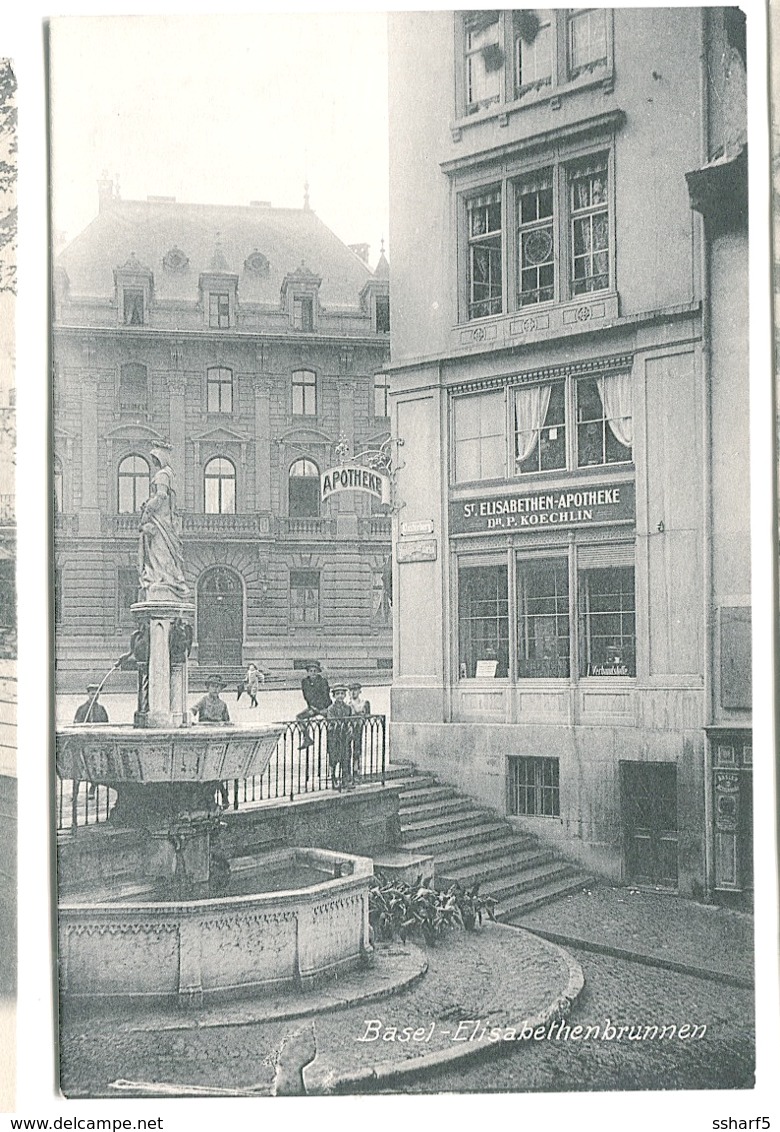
(616, 397)
(531, 405)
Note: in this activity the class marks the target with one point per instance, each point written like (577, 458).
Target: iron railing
(311, 756)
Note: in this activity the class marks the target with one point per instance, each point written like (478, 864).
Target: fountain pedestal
(167, 622)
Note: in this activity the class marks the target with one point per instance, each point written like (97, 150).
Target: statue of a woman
(161, 561)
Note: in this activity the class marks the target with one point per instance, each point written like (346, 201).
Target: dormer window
(303, 312)
(133, 306)
(219, 309)
(383, 314)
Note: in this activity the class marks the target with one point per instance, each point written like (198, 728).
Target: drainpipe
(707, 556)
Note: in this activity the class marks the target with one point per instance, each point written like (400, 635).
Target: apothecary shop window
(483, 620)
(479, 424)
(607, 616)
(543, 618)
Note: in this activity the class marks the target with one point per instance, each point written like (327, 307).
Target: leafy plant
(399, 910)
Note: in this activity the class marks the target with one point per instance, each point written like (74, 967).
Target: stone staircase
(470, 842)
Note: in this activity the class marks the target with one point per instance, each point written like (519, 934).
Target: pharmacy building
(253, 341)
(569, 380)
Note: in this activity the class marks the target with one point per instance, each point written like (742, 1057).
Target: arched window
(304, 489)
(219, 487)
(219, 390)
(133, 484)
(133, 387)
(58, 503)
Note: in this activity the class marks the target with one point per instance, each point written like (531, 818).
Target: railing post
(74, 804)
(382, 729)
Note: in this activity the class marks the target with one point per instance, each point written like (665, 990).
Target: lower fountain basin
(111, 754)
(187, 950)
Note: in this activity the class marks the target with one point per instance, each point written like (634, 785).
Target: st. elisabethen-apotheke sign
(544, 510)
(354, 477)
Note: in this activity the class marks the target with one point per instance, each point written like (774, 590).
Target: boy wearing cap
(340, 739)
(360, 707)
(212, 709)
(316, 692)
(91, 711)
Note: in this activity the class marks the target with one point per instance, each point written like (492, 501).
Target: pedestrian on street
(251, 684)
(340, 739)
(91, 712)
(316, 693)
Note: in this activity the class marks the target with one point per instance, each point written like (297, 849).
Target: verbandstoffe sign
(541, 510)
(354, 477)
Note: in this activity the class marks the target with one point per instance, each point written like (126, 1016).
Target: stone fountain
(149, 908)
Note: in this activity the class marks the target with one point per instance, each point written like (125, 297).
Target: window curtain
(531, 405)
(616, 397)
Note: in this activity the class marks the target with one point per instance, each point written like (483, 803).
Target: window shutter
(599, 557)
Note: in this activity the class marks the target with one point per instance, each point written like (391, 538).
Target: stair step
(405, 781)
(517, 905)
(447, 821)
(450, 859)
(512, 863)
(437, 807)
(427, 793)
(504, 887)
(451, 838)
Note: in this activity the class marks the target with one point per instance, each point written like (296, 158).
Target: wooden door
(649, 806)
(220, 619)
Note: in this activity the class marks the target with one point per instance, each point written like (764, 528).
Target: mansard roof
(152, 230)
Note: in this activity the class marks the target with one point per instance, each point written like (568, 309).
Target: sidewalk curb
(744, 981)
(386, 1072)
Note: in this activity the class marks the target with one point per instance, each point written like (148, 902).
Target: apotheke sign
(543, 510)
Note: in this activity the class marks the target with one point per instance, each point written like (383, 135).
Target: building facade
(570, 383)
(254, 341)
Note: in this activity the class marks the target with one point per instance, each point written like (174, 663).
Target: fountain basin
(183, 951)
(102, 753)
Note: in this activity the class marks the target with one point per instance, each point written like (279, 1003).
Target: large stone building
(570, 382)
(254, 341)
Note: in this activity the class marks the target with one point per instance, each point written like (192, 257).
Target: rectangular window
(304, 393)
(480, 437)
(587, 40)
(589, 204)
(381, 395)
(540, 427)
(534, 787)
(543, 619)
(219, 390)
(303, 312)
(536, 240)
(382, 314)
(126, 594)
(607, 622)
(133, 307)
(219, 309)
(483, 621)
(485, 268)
(533, 32)
(604, 420)
(304, 597)
(484, 59)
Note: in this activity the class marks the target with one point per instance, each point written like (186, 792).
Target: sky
(223, 110)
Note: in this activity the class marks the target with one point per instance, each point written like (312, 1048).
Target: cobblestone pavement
(653, 924)
(630, 994)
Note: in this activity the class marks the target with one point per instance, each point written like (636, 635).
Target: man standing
(316, 692)
(91, 711)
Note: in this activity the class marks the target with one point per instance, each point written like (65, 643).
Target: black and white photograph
(387, 565)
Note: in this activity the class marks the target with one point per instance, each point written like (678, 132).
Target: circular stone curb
(386, 1072)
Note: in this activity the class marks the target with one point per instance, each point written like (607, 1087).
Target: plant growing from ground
(399, 910)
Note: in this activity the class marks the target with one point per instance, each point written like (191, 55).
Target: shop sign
(354, 477)
(525, 511)
(418, 550)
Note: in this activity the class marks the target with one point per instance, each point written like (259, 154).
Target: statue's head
(161, 453)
